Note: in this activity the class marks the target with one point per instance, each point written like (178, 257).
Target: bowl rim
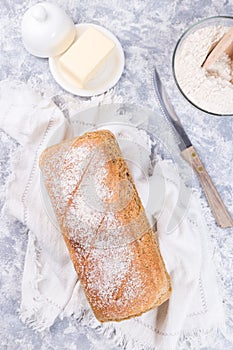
(185, 32)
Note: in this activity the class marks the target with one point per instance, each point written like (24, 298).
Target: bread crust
(113, 248)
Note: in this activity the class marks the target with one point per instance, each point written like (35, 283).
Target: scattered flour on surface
(210, 90)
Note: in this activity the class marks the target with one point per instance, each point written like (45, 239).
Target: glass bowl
(219, 23)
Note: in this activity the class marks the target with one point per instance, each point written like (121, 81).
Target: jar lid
(47, 30)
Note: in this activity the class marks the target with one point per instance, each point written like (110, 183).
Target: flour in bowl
(210, 90)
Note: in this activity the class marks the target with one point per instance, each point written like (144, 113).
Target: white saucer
(106, 77)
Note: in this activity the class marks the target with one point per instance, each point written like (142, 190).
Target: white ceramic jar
(47, 30)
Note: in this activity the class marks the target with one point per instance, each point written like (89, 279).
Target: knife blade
(189, 154)
(169, 112)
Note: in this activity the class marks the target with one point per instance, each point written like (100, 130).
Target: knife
(189, 154)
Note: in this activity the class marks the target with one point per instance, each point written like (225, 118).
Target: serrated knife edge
(169, 112)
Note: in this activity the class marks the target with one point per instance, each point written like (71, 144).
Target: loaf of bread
(101, 217)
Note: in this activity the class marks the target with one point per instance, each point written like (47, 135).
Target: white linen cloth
(50, 287)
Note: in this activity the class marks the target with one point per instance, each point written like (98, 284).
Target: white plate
(106, 77)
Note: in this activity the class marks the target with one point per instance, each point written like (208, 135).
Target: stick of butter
(86, 55)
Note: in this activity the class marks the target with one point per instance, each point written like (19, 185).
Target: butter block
(86, 55)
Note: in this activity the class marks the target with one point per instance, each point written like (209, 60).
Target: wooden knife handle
(220, 212)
